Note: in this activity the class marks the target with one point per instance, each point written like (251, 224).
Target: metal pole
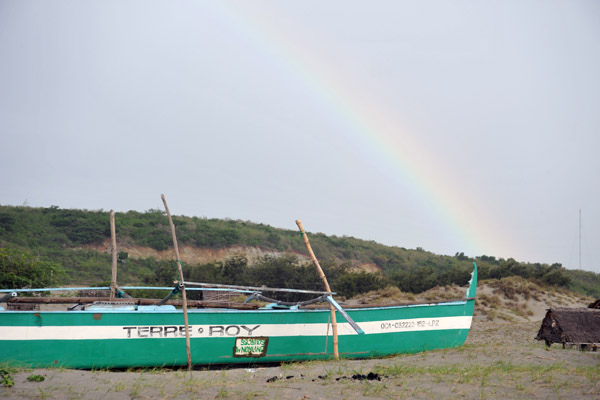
(580, 238)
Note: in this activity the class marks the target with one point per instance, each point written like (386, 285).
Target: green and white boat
(131, 334)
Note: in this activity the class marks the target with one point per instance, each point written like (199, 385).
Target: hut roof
(595, 304)
(570, 325)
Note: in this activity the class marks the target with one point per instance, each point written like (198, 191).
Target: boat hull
(134, 338)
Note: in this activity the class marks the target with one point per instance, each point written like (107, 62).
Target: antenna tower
(580, 238)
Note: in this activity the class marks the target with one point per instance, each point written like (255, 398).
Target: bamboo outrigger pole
(336, 353)
(183, 296)
(113, 236)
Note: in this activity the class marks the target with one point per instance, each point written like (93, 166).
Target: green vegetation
(52, 246)
(20, 269)
(585, 282)
(36, 378)
(285, 271)
(6, 377)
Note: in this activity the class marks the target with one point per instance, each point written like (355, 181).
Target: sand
(499, 359)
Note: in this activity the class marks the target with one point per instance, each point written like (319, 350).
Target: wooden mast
(113, 236)
(336, 353)
(183, 296)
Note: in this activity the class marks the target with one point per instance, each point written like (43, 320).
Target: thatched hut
(571, 326)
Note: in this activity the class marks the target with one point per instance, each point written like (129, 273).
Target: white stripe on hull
(231, 330)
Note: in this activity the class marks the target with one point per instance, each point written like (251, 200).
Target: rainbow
(394, 148)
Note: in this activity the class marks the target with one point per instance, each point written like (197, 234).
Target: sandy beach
(500, 359)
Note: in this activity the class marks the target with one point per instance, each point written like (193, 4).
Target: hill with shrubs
(42, 247)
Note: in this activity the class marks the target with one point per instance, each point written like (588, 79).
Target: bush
(20, 269)
(350, 284)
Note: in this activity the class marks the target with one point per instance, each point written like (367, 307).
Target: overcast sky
(455, 126)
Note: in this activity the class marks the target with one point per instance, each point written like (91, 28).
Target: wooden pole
(113, 236)
(183, 296)
(336, 353)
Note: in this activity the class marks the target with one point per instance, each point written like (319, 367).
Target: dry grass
(389, 295)
(509, 299)
(515, 287)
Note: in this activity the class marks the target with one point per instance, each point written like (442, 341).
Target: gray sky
(455, 126)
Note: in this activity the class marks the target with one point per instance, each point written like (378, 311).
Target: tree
(557, 277)
(351, 284)
(234, 268)
(20, 269)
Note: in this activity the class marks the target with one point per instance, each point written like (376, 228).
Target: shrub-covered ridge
(63, 237)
